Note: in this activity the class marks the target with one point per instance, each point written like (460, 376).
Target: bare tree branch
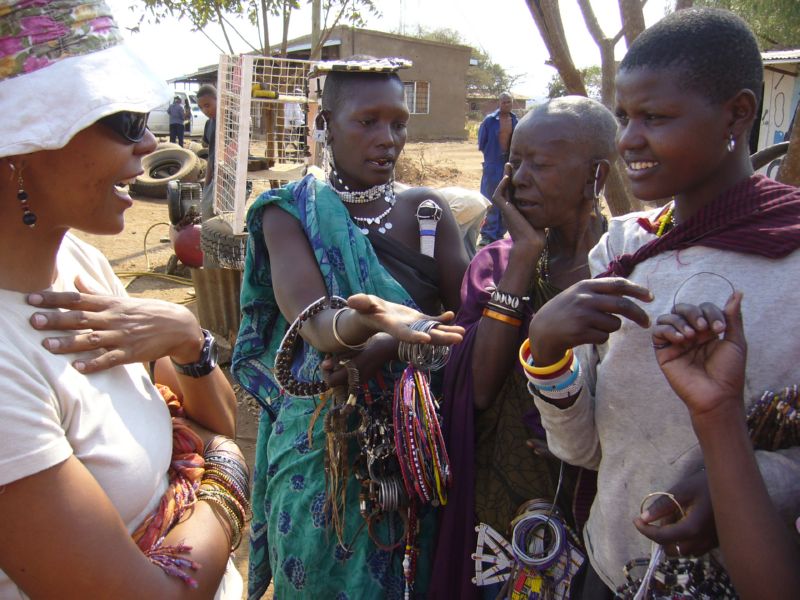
(547, 17)
(236, 31)
(222, 26)
(632, 17)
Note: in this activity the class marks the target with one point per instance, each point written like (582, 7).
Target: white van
(158, 121)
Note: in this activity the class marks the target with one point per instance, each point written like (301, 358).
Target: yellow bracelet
(542, 371)
(498, 316)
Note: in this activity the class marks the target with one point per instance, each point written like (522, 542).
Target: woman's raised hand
(585, 313)
(111, 330)
(704, 369)
(524, 235)
(395, 319)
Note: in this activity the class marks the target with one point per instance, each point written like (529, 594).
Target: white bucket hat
(63, 67)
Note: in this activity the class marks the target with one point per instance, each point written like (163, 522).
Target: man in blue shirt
(494, 140)
(176, 117)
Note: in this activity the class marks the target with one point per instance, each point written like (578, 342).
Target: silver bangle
(338, 338)
(423, 356)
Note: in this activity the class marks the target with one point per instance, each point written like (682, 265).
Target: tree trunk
(316, 16)
(789, 171)
(547, 18)
(681, 4)
(287, 14)
(632, 18)
(266, 50)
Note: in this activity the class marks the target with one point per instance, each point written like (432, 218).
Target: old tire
(165, 145)
(221, 246)
(163, 166)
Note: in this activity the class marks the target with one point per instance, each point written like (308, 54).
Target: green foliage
(484, 79)
(202, 12)
(592, 79)
(776, 23)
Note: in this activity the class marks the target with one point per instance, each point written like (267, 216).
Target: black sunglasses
(130, 125)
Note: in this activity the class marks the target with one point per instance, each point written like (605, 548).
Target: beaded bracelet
(559, 385)
(339, 339)
(550, 370)
(510, 300)
(283, 359)
(568, 392)
(556, 378)
(504, 310)
(497, 316)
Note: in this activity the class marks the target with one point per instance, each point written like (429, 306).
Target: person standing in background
(494, 140)
(207, 100)
(176, 117)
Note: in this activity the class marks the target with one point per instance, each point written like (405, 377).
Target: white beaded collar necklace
(384, 190)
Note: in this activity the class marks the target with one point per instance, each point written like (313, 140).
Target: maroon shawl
(756, 216)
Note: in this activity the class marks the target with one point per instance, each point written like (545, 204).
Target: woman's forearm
(494, 351)
(759, 553)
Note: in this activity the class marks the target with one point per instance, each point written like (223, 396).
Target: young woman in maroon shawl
(560, 155)
(687, 98)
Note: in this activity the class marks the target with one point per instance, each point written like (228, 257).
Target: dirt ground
(140, 253)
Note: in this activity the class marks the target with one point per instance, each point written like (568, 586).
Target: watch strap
(207, 361)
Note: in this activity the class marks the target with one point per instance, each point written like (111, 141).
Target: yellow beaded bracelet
(525, 348)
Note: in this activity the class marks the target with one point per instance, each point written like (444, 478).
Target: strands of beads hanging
(418, 437)
(773, 422)
(419, 444)
(543, 264)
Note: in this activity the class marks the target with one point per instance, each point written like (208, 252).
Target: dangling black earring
(28, 217)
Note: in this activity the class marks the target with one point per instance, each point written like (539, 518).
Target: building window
(418, 95)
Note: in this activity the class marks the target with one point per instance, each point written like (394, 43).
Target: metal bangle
(339, 339)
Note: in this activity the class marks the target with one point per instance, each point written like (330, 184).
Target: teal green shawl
(348, 265)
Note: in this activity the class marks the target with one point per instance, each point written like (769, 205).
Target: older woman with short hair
(560, 157)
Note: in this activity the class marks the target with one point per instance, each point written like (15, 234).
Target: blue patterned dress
(291, 540)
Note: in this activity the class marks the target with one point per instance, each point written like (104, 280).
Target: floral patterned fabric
(291, 541)
(36, 33)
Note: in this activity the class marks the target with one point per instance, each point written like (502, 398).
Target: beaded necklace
(376, 192)
(666, 222)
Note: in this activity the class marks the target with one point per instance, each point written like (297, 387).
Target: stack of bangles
(554, 382)
(226, 483)
(506, 308)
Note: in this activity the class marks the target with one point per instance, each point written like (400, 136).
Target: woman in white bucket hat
(102, 493)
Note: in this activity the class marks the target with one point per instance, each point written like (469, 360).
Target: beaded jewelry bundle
(676, 579)
(540, 561)
(773, 422)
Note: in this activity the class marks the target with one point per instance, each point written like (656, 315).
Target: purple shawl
(453, 567)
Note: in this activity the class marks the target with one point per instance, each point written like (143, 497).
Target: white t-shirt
(114, 422)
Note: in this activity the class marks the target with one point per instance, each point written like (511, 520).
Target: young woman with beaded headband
(101, 492)
(351, 236)
(687, 95)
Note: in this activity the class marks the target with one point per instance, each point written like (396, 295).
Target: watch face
(213, 351)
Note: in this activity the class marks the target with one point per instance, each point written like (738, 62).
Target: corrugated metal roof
(774, 57)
